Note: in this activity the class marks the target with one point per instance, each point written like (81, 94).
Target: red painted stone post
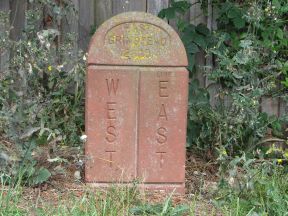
(136, 104)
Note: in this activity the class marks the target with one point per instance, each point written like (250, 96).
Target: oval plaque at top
(137, 41)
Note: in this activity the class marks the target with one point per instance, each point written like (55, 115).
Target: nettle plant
(249, 50)
(251, 62)
(42, 88)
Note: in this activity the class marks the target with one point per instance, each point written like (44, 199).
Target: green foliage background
(249, 49)
(42, 92)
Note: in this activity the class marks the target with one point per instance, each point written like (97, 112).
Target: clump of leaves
(284, 70)
(231, 16)
(195, 38)
(42, 86)
(42, 89)
(252, 187)
(24, 171)
(166, 208)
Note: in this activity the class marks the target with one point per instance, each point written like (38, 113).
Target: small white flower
(231, 181)
(60, 67)
(77, 175)
(83, 137)
(40, 37)
(30, 70)
(84, 58)
(48, 45)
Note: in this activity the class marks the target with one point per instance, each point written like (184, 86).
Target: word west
(161, 133)
(111, 108)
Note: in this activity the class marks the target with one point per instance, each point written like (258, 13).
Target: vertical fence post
(283, 108)
(17, 18)
(155, 6)
(4, 54)
(196, 17)
(86, 22)
(119, 6)
(102, 11)
(211, 86)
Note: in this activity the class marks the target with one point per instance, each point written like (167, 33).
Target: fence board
(102, 12)
(197, 17)
(4, 54)
(196, 13)
(17, 18)
(86, 22)
(270, 105)
(70, 24)
(154, 6)
(283, 109)
(212, 87)
(119, 6)
(4, 5)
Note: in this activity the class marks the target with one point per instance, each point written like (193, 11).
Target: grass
(267, 195)
(113, 201)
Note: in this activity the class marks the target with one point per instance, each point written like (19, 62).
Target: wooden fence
(92, 13)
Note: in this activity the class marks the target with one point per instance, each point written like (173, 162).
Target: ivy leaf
(162, 14)
(191, 61)
(225, 7)
(194, 84)
(182, 25)
(200, 41)
(234, 12)
(168, 13)
(188, 37)
(238, 22)
(181, 6)
(189, 29)
(202, 29)
(192, 48)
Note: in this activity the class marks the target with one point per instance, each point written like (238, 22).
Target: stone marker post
(136, 104)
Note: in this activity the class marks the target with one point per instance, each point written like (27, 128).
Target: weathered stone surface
(162, 124)
(136, 38)
(111, 110)
(136, 104)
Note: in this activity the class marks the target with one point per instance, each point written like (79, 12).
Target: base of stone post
(177, 188)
